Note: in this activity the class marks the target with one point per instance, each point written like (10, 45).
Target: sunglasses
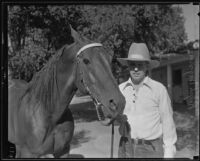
(138, 65)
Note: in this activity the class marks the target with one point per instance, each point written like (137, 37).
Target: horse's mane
(43, 86)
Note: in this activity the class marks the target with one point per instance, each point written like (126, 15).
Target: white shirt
(149, 112)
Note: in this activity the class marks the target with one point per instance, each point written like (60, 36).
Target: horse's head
(93, 75)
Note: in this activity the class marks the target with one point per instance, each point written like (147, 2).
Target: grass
(186, 126)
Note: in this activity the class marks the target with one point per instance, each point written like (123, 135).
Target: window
(177, 77)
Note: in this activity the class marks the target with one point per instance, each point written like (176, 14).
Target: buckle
(139, 141)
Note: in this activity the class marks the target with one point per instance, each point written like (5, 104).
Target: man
(148, 107)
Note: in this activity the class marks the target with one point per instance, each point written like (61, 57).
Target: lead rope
(112, 139)
(126, 133)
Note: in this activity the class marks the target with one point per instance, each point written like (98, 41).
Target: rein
(98, 105)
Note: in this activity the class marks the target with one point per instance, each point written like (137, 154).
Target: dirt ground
(92, 140)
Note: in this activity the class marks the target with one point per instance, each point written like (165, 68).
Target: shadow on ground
(75, 156)
(186, 127)
(79, 138)
(84, 112)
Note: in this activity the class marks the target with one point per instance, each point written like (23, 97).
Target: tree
(35, 33)
(46, 28)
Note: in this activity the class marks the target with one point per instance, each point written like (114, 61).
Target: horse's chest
(38, 124)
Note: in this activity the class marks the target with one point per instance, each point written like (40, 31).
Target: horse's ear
(75, 34)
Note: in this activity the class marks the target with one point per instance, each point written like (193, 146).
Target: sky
(190, 12)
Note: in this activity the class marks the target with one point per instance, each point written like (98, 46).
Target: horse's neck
(67, 90)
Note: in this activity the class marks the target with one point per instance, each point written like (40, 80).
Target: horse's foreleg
(64, 153)
(18, 152)
(62, 137)
(23, 152)
(47, 156)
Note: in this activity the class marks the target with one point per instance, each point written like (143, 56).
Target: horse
(40, 124)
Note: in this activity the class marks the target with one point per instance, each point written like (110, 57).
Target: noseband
(98, 105)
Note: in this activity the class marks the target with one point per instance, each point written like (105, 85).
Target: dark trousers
(141, 149)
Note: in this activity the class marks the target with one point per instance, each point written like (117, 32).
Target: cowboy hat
(139, 52)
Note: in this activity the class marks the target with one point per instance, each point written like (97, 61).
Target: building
(180, 74)
(177, 73)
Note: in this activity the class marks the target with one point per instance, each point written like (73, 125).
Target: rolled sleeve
(169, 151)
(168, 125)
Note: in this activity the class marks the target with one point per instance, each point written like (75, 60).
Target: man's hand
(169, 151)
(121, 119)
(124, 128)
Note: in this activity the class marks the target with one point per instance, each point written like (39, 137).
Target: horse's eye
(86, 61)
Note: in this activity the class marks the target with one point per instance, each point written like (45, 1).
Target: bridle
(97, 103)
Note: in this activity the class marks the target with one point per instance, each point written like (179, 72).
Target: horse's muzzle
(109, 119)
(106, 115)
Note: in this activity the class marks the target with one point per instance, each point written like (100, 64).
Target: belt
(142, 141)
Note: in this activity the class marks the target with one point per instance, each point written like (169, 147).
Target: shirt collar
(146, 81)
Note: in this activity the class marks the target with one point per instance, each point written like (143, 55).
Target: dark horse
(40, 123)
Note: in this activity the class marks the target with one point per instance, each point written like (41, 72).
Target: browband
(88, 46)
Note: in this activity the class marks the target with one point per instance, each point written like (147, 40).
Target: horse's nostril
(112, 104)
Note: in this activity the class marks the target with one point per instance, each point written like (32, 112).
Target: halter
(98, 105)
